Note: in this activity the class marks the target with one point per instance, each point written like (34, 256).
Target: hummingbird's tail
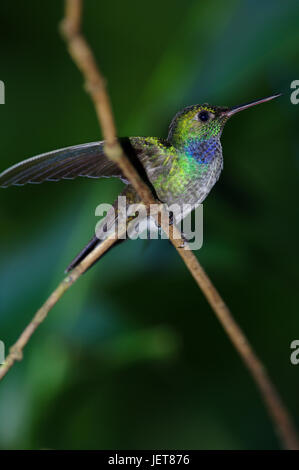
(83, 253)
(88, 249)
(110, 219)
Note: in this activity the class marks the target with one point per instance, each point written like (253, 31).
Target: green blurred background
(132, 356)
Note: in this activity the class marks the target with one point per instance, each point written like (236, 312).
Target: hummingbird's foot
(185, 240)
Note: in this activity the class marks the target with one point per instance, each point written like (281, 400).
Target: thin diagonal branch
(95, 85)
(16, 351)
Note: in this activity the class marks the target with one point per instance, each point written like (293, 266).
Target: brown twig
(16, 351)
(95, 84)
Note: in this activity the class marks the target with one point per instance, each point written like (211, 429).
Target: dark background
(132, 356)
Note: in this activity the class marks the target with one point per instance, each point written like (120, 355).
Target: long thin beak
(236, 109)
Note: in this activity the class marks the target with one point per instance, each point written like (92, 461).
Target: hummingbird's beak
(236, 109)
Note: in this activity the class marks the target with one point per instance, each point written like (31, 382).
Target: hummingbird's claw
(184, 241)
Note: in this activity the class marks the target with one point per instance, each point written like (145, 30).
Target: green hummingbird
(181, 169)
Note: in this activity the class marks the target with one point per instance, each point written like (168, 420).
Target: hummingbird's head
(203, 121)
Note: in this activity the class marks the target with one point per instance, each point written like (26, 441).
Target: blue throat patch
(203, 151)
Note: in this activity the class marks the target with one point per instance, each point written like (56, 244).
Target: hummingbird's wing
(146, 154)
(67, 163)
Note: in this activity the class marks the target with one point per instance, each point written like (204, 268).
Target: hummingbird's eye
(203, 116)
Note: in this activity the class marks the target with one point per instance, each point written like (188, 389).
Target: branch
(16, 351)
(95, 85)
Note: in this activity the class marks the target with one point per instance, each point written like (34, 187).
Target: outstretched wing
(79, 160)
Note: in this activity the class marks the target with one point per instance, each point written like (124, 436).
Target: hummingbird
(181, 169)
